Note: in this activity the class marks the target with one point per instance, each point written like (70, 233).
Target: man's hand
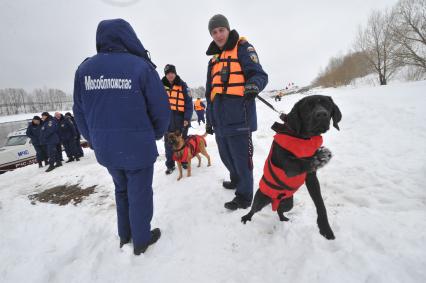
(185, 123)
(251, 91)
(209, 129)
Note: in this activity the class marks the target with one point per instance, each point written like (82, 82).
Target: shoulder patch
(251, 49)
(254, 58)
(214, 59)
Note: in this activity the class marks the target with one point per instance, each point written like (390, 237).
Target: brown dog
(185, 150)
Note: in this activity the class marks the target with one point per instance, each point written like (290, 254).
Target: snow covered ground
(373, 189)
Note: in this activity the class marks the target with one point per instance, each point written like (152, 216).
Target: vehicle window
(16, 140)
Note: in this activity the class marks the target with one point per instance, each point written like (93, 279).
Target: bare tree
(377, 42)
(409, 30)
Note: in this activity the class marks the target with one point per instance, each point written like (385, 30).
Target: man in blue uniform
(234, 78)
(181, 106)
(80, 152)
(199, 108)
(67, 135)
(121, 108)
(50, 138)
(33, 132)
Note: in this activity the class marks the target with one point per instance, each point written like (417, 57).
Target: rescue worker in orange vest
(199, 109)
(181, 106)
(234, 78)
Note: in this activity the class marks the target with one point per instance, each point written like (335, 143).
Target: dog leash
(283, 116)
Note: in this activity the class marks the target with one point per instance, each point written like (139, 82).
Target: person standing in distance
(121, 108)
(234, 79)
(181, 106)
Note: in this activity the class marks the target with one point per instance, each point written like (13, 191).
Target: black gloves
(320, 159)
(209, 129)
(251, 91)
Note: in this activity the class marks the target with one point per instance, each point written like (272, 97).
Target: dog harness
(193, 144)
(275, 183)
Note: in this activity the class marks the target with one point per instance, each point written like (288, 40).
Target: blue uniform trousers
(234, 153)
(70, 147)
(133, 198)
(53, 154)
(200, 115)
(41, 153)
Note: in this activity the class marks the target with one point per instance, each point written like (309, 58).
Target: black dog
(295, 156)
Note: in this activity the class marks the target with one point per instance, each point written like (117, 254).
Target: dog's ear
(336, 115)
(293, 118)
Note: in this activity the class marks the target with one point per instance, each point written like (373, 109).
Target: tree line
(17, 100)
(390, 40)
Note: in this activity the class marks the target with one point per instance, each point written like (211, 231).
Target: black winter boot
(50, 168)
(237, 203)
(40, 164)
(170, 170)
(155, 235)
(123, 242)
(71, 159)
(58, 164)
(229, 185)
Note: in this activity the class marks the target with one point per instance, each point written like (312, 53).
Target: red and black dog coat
(192, 143)
(275, 183)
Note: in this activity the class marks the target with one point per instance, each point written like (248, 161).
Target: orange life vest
(176, 98)
(228, 59)
(275, 183)
(197, 105)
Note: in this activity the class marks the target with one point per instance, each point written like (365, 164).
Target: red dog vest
(275, 183)
(193, 144)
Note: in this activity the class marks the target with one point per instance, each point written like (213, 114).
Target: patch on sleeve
(251, 49)
(254, 58)
(50, 123)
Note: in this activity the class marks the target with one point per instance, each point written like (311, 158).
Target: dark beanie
(36, 118)
(218, 21)
(169, 69)
(45, 114)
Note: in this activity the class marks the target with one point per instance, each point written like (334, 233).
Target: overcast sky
(43, 42)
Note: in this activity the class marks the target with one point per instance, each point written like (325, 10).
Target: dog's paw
(325, 230)
(283, 218)
(321, 158)
(246, 218)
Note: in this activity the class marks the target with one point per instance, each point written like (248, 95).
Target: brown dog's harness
(275, 183)
(192, 143)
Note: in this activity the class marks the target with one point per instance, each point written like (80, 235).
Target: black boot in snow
(123, 242)
(40, 164)
(170, 170)
(58, 164)
(229, 185)
(155, 235)
(237, 203)
(71, 159)
(77, 159)
(50, 168)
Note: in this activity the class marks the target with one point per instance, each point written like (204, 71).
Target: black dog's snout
(321, 114)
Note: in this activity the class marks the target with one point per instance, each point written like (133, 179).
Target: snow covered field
(374, 190)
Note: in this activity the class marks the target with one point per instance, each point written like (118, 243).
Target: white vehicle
(17, 152)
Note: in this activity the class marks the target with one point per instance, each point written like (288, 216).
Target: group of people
(48, 134)
(121, 79)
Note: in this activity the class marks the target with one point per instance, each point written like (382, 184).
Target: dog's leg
(260, 201)
(180, 170)
(203, 151)
(315, 192)
(189, 165)
(284, 206)
(199, 159)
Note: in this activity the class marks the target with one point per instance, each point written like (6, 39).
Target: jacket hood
(117, 35)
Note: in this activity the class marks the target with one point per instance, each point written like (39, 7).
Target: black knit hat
(45, 114)
(169, 69)
(218, 21)
(36, 118)
(68, 114)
